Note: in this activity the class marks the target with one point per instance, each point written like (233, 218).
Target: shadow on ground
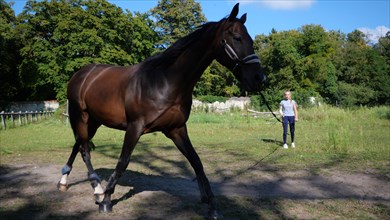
(165, 189)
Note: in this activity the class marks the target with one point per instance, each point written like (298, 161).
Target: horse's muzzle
(258, 84)
(263, 81)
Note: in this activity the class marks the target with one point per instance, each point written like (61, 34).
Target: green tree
(383, 80)
(280, 58)
(60, 36)
(175, 19)
(9, 54)
(362, 73)
(300, 60)
(340, 69)
(357, 37)
(316, 67)
(383, 47)
(217, 81)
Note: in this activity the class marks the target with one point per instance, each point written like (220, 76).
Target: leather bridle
(252, 58)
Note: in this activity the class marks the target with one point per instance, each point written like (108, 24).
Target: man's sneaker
(285, 146)
(293, 145)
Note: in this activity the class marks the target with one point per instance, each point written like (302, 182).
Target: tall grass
(325, 137)
(362, 134)
(352, 129)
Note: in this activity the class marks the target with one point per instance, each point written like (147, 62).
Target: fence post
(20, 118)
(13, 116)
(26, 117)
(12, 120)
(3, 120)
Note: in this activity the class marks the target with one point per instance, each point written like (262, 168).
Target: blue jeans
(288, 120)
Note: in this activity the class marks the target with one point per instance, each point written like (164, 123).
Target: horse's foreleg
(131, 138)
(65, 171)
(183, 143)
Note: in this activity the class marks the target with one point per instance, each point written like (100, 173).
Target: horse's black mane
(167, 57)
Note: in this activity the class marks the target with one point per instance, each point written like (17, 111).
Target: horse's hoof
(99, 197)
(103, 207)
(62, 187)
(213, 214)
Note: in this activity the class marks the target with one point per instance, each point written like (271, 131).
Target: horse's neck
(189, 67)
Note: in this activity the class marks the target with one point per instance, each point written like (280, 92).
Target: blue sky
(370, 16)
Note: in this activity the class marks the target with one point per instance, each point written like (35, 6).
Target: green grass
(325, 137)
(230, 144)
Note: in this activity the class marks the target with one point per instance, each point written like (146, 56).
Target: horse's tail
(74, 115)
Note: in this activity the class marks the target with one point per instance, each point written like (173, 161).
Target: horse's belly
(170, 119)
(110, 114)
(113, 121)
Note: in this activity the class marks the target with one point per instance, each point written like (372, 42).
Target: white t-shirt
(288, 107)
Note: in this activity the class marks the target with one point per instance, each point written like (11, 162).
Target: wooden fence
(22, 117)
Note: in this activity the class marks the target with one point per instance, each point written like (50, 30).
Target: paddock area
(327, 176)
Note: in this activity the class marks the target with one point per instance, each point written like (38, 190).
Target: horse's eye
(237, 38)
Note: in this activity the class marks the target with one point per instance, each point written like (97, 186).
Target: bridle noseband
(253, 58)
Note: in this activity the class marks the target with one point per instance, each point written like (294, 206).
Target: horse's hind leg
(180, 138)
(84, 130)
(65, 171)
(74, 118)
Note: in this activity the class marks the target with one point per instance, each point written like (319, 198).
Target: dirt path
(28, 191)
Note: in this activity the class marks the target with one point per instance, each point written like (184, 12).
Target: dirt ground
(28, 191)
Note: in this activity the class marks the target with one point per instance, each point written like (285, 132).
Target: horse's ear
(243, 18)
(234, 13)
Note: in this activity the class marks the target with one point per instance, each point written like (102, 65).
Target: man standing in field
(288, 110)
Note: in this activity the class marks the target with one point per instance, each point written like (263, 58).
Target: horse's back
(80, 78)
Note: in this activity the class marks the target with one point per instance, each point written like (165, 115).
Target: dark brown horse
(156, 95)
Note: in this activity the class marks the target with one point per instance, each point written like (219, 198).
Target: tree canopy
(175, 19)
(340, 69)
(58, 37)
(9, 53)
(51, 39)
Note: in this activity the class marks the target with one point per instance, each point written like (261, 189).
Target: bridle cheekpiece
(253, 58)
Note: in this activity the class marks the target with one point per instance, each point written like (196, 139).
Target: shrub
(211, 98)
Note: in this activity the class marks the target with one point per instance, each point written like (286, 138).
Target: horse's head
(235, 51)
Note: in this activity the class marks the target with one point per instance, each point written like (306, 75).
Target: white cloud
(282, 4)
(373, 35)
